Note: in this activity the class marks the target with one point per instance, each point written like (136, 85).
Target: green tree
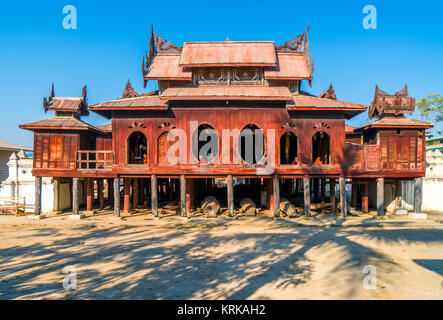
(431, 107)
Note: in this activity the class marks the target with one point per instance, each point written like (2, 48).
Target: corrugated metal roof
(291, 66)
(67, 123)
(228, 53)
(396, 122)
(4, 146)
(227, 93)
(165, 66)
(304, 101)
(153, 102)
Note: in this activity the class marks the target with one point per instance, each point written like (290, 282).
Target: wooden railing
(13, 204)
(363, 156)
(94, 160)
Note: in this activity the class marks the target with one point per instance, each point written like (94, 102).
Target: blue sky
(107, 47)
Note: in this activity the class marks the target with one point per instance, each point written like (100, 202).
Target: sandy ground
(226, 258)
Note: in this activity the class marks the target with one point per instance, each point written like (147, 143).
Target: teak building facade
(226, 113)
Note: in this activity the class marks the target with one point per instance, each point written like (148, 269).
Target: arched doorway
(137, 148)
(251, 144)
(205, 143)
(321, 148)
(288, 148)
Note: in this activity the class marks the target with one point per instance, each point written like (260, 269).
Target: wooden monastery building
(228, 126)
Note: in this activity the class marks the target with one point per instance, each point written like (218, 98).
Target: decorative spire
(156, 44)
(129, 91)
(329, 93)
(385, 104)
(227, 38)
(47, 102)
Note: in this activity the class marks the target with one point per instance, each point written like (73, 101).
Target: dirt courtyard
(138, 257)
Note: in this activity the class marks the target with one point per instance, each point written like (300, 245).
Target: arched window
(163, 147)
(251, 144)
(205, 144)
(137, 148)
(288, 149)
(321, 148)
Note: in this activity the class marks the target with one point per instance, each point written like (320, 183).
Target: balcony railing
(94, 160)
(363, 157)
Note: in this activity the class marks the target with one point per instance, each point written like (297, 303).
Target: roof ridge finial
(47, 102)
(129, 91)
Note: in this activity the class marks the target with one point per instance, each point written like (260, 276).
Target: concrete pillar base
(92, 212)
(76, 216)
(401, 211)
(417, 215)
(37, 217)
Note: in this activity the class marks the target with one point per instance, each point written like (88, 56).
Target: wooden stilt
(89, 194)
(316, 193)
(354, 195)
(230, 197)
(183, 195)
(135, 195)
(418, 194)
(332, 195)
(117, 197)
(154, 199)
(276, 187)
(101, 193)
(270, 199)
(110, 183)
(307, 196)
(365, 198)
(75, 206)
(343, 204)
(380, 196)
(323, 190)
(56, 205)
(127, 195)
(38, 196)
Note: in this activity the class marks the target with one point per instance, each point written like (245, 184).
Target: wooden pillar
(270, 200)
(316, 193)
(365, 198)
(190, 190)
(230, 197)
(154, 198)
(354, 195)
(343, 205)
(89, 194)
(55, 204)
(101, 193)
(171, 190)
(117, 197)
(276, 188)
(127, 195)
(307, 196)
(332, 195)
(38, 196)
(183, 195)
(323, 190)
(135, 194)
(111, 191)
(75, 206)
(418, 194)
(380, 196)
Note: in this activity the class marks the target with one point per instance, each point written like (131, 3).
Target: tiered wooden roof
(386, 104)
(227, 93)
(60, 123)
(166, 61)
(74, 105)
